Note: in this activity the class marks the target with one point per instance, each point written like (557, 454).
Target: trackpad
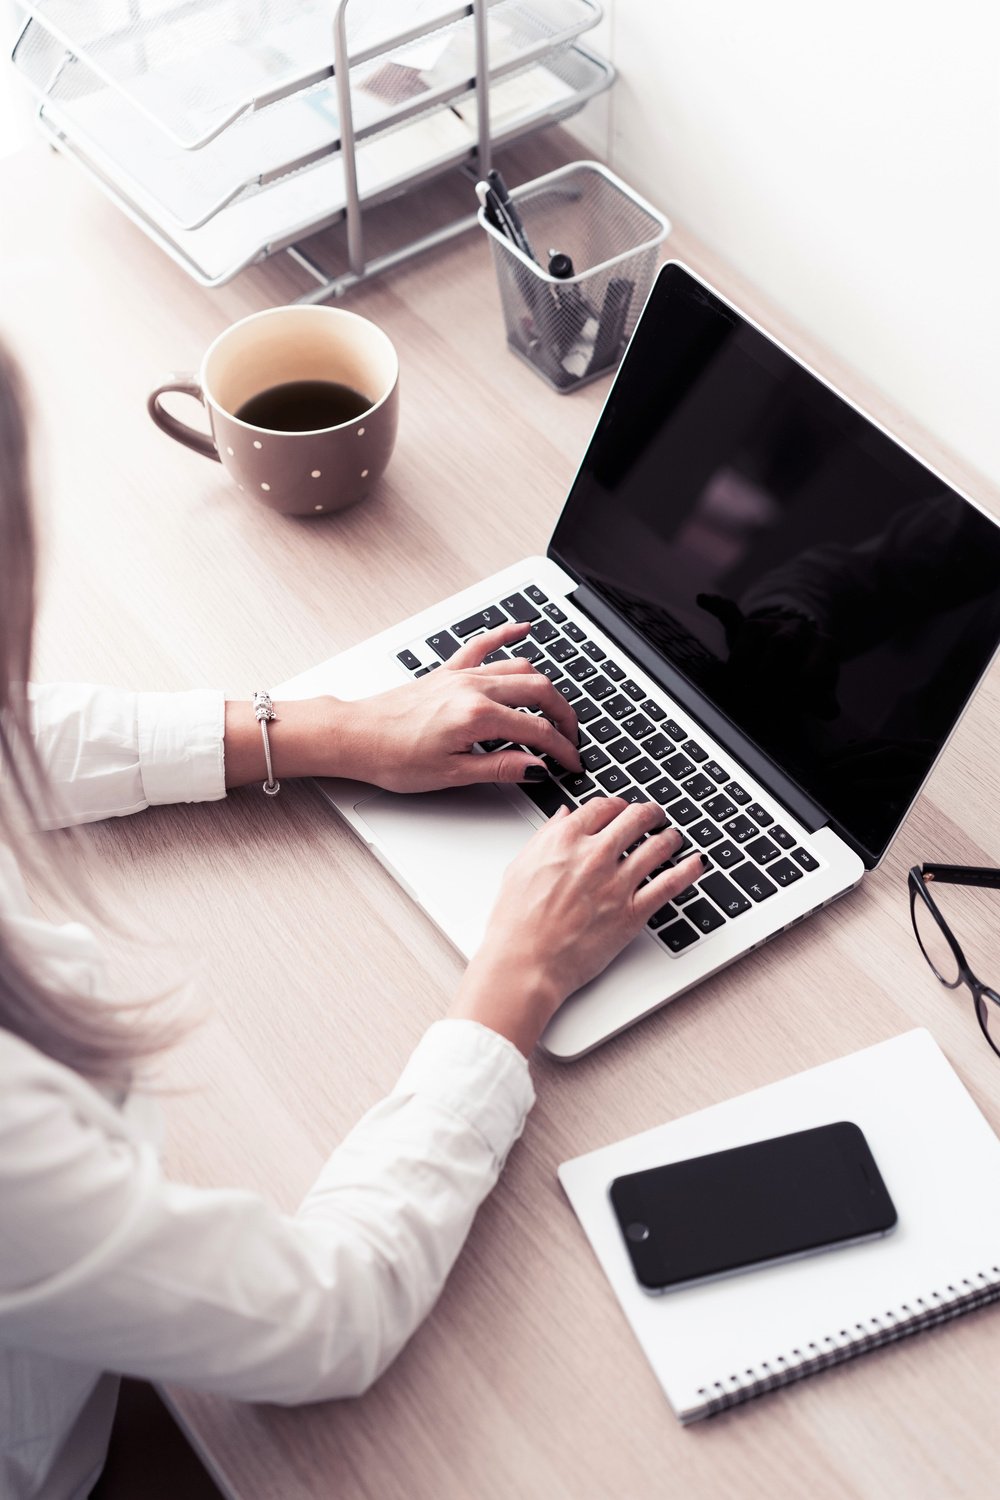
(450, 850)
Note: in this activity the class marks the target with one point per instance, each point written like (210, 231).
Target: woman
(105, 1265)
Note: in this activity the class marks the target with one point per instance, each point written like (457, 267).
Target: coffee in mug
(303, 403)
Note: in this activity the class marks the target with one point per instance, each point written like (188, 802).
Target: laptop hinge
(791, 796)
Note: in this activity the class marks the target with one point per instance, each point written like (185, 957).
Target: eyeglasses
(939, 945)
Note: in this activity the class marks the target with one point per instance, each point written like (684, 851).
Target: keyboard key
(622, 750)
(569, 690)
(737, 793)
(782, 836)
(633, 794)
(694, 750)
(585, 711)
(653, 709)
(592, 797)
(518, 607)
(806, 860)
(614, 671)
(535, 593)
(443, 644)
(720, 808)
(726, 854)
(664, 791)
(713, 769)
(618, 707)
(704, 915)
(638, 726)
(593, 650)
(704, 833)
(687, 894)
(663, 915)
(784, 872)
(659, 746)
(599, 687)
(582, 738)
(410, 662)
(594, 758)
(603, 730)
(548, 669)
(555, 613)
(528, 651)
(574, 632)
(678, 766)
(544, 631)
(643, 770)
(678, 936)
(633, 689)
(580, 669)
(762, 850)
(674, 729)
(759, 814)
(421, 672)
(756, 885)
(547, 796)
(740, 829)
(495, 656)
(614, 779)
(700, 787)
(724, 894)
(577, 784)
(561, 650)
(486, 619)
(684, 811)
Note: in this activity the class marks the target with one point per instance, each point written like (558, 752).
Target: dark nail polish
(705, 861)
(536, 773)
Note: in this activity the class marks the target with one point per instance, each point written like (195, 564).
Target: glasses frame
(918, 880)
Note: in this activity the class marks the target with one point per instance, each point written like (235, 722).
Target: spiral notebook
(718, 1344)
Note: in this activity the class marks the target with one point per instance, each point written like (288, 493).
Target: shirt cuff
(474, 1073)
(181, 746)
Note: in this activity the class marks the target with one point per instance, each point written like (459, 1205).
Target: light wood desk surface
(525, 1381)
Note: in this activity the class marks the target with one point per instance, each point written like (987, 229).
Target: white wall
(845, 158)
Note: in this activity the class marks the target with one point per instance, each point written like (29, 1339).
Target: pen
(486, 200)
(516, 230)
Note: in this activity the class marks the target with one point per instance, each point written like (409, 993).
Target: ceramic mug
(299, 473)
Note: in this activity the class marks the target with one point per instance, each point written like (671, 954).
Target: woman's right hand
(568, 905)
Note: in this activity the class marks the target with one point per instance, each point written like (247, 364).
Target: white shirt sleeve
(109, 752)
(104, 1262)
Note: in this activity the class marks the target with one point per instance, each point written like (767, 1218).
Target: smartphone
(774, 1200)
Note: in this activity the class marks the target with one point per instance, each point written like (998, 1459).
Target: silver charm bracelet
(263, 710)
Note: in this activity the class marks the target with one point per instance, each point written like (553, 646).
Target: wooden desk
(525, 1380)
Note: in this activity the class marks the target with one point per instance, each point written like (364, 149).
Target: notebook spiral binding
(835, 1348)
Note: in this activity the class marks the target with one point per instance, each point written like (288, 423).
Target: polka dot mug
(298, 472)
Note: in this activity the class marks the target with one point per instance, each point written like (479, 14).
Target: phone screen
(712, 1215)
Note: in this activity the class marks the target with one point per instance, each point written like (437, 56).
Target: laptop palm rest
(449, 849)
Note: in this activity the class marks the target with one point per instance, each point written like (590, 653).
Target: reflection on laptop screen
(828, 593)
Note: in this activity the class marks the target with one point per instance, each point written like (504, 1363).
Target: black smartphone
(773, 1200)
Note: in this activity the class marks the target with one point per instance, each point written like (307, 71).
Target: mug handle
(172, 426)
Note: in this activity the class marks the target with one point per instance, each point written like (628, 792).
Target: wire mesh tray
(193, 67)
(307, 201)
(185, 189)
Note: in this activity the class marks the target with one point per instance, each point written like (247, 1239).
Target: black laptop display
(834, 598)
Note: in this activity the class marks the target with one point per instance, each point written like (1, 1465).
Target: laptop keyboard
(638, 746)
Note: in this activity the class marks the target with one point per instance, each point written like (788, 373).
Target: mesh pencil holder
(573, 329)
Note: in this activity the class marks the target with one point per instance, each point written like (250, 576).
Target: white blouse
(107, 1267)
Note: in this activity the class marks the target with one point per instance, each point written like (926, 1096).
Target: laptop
(769, 616)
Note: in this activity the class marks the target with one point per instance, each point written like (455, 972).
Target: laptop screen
(822, 588)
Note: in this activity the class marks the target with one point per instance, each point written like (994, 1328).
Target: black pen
(509, 209)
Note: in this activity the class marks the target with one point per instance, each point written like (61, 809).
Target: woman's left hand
(422, 735)
(419, 736)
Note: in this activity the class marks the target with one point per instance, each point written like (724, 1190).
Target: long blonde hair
(100, 1040)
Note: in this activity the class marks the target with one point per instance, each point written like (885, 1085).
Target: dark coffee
(303, 406)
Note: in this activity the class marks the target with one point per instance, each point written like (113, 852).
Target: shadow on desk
(149, 1458)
